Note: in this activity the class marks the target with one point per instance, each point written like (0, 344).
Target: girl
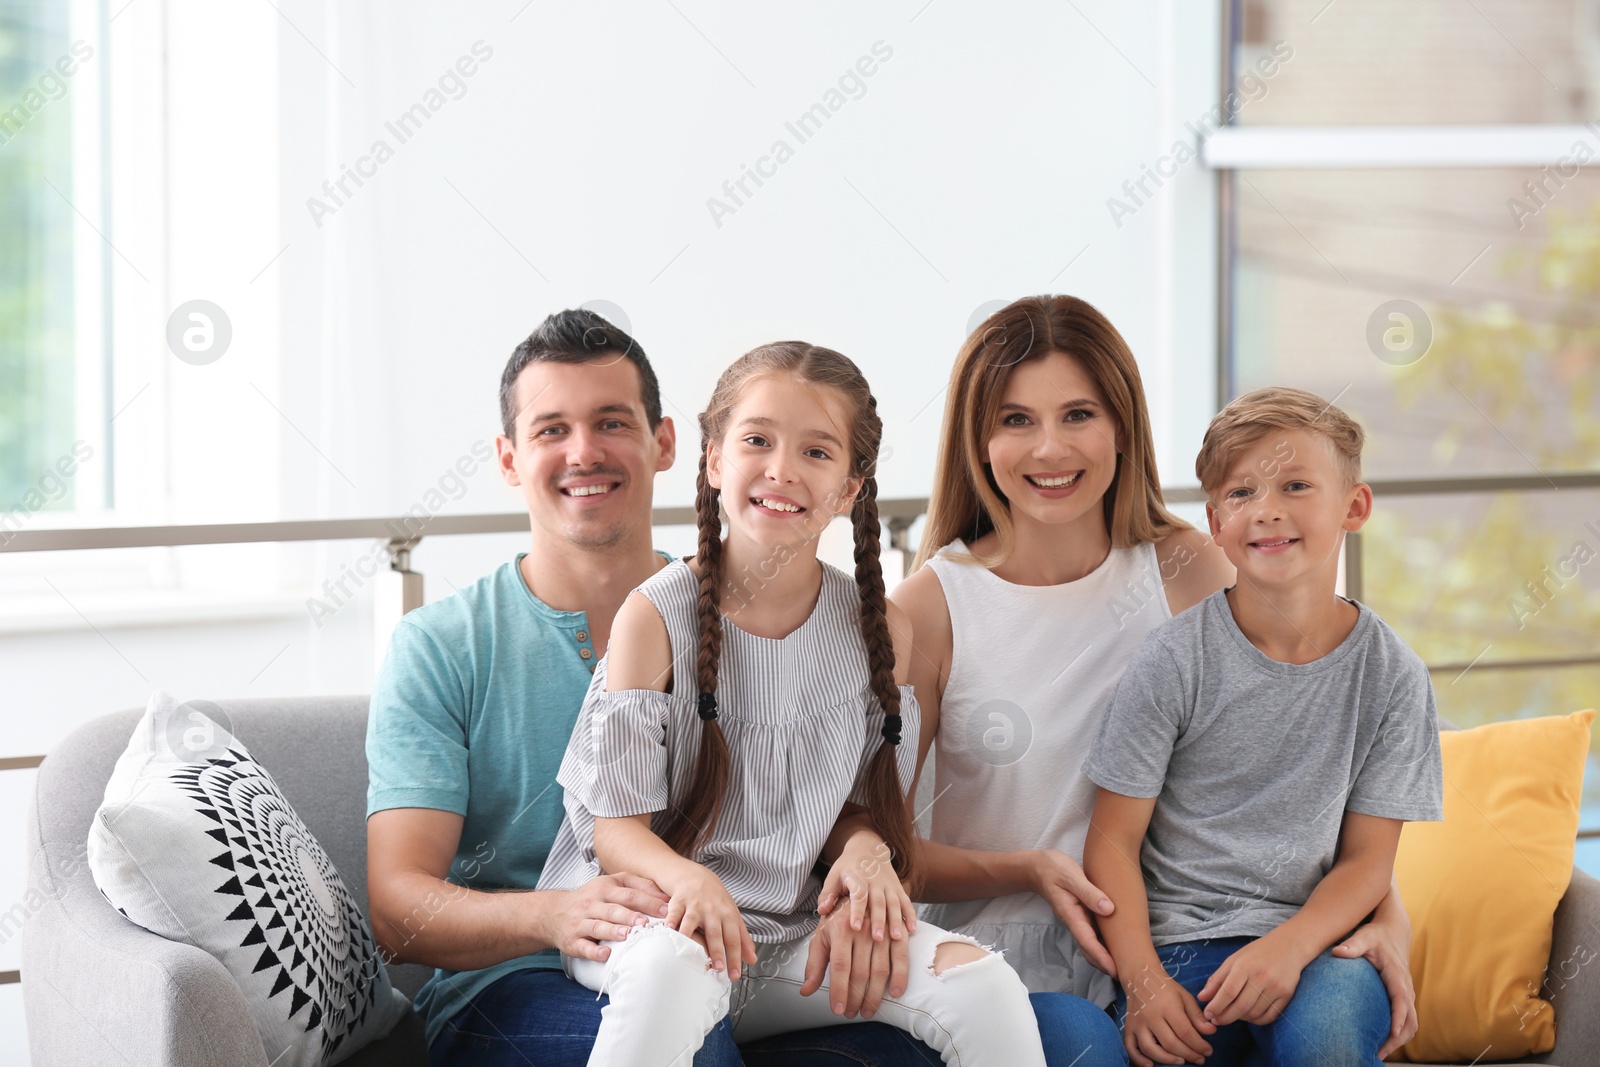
(1047, 557)
(745, 723)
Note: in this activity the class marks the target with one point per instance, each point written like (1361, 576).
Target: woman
(1047, 557)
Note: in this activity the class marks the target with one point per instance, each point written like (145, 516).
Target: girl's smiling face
(784, 463)
(1053, 451)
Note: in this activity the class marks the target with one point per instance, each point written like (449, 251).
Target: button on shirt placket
(584, 649)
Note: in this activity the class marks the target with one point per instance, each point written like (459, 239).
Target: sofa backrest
(314, 748)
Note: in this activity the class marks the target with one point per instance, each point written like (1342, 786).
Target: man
(472, 711)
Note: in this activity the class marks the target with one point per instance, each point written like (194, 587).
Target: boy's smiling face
(1281, 513)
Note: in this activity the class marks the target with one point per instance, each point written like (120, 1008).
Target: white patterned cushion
(195, 842)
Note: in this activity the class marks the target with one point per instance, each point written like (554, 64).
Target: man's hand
(863, 947)
(1164, 1023)
(1254, 984)
(1387, 946)
(602, 909)
(1059, 879)
(859, 969)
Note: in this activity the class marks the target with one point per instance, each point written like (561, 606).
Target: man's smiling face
(584, 453)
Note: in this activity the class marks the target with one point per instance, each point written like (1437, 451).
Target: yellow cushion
(1481, 887)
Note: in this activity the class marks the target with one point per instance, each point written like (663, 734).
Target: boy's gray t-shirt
(1254, 762)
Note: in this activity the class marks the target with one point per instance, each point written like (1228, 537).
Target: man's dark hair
(576, 335)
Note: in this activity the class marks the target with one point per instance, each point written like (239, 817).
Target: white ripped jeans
(665, 999)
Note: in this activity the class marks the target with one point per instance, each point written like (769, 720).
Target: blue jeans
(1338, 1016)
(545, 1019)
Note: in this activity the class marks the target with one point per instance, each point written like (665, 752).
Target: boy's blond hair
(1253, 416)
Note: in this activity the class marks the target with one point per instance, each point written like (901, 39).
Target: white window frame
(149, 199)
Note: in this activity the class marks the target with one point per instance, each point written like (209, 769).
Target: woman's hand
(862, 947)
(701, 903)
(1058, 878)
(1386, 944)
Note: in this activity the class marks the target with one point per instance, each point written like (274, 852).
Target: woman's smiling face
(1053, 450)
(784, 463)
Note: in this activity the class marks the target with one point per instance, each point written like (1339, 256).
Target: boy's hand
(701, 902)
(1164, 1023)
(1387, 946)
(1254, 984)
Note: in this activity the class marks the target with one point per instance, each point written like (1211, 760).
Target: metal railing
(404, 533)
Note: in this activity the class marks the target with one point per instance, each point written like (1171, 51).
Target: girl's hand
(701, 903)
(1058, 878)
(1387, 946)
(863, 948)
(865, 873)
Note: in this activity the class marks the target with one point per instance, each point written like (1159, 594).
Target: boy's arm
(1385, 942)
(1111, 861)
(1164, 1023)
(1256, 982)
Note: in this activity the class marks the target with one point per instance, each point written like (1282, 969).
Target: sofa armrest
(101, 990)
(1572, 983)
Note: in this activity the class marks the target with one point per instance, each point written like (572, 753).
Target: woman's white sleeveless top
(1032, 671)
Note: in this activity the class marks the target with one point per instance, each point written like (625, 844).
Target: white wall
(975, 167)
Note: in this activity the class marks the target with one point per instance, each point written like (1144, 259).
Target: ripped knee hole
(951, 956)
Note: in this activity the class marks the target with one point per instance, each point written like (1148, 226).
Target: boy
(1257, 761)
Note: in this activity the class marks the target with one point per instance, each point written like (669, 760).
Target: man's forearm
(422, 919)
(952, 874)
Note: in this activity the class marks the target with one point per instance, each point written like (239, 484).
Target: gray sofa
(100, 990)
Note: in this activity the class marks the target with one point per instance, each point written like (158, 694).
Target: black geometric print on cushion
(324, 961)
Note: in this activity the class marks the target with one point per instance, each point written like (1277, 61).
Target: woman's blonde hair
(966, 503)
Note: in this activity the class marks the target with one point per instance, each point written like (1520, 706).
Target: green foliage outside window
(37, 404)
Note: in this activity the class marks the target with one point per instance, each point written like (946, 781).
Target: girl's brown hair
(692, 817)
(966, 502)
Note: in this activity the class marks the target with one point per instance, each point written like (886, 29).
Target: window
(1411, 227)
(49, 361)
(112, 179)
